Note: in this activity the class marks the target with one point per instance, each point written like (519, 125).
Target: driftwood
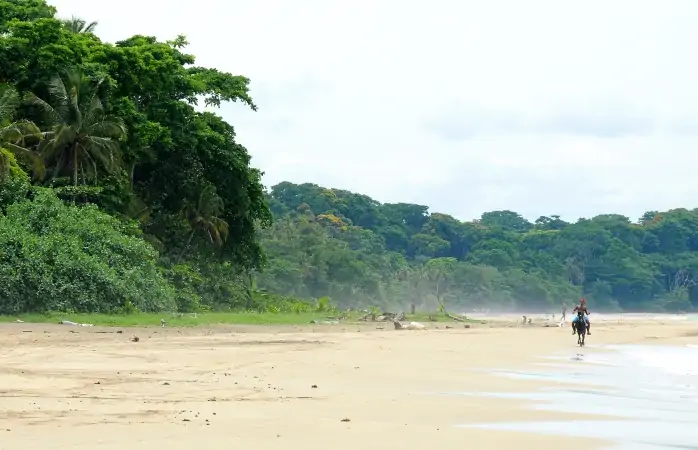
(384, 317)
(456, 318)
(409, 326)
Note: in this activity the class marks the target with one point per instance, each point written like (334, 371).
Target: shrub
(58, 257)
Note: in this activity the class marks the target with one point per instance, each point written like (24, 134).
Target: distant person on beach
(564, 311)
(581, 307)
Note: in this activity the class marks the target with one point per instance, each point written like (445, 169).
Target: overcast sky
(539, 106)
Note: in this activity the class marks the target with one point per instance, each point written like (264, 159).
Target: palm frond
(203, 216)
(81, 139)
(34, 159)
(92, 108)
(108, 127)
(9, 102)
(78, 25)
(49, 113)
(222, 229)
(64, 136)
(90, 28)
(18, 132)
(61, 97)
(104, 150)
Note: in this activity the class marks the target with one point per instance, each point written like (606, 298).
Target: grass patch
(173, 319)
(202, 319)
(437, 317)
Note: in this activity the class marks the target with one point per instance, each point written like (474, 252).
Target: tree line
(352, 248)
(117, 194)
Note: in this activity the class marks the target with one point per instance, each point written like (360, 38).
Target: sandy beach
(310, 387)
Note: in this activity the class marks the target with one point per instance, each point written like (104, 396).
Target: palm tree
(13, 134)
(203, 217)
(78, 25)
(81, 136)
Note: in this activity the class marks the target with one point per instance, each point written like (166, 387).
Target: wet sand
(343, 387)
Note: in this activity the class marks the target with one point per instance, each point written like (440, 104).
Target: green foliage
(80, 137)
(23, 11)
(122, 116)
(142, 203)
(402, 254)
(58, 257)
(14, 182)
(14, 135)
(114, 127)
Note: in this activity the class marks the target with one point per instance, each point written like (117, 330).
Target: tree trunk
(75, 173)
(249, 288)
(186, 246)
(75, 168)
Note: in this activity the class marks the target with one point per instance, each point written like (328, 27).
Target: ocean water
(652, 391)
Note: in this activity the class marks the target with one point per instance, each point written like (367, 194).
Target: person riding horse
(582, 311)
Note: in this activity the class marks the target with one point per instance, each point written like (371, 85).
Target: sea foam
(674, 360)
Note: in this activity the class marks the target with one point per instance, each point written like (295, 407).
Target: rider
(581, 307)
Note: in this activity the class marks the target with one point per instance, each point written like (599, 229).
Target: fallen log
(366, 316)
(456, 318)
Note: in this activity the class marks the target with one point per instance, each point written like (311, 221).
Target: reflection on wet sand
(650, 394)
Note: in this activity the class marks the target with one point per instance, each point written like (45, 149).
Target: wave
(674, 360)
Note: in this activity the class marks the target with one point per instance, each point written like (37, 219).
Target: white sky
(539, 106)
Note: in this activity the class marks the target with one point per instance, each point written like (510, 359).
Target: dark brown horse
(580, 328)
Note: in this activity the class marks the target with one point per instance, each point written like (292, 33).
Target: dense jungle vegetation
(117, 195)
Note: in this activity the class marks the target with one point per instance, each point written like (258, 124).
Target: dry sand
(279, 388)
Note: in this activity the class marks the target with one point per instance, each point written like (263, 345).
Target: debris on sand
(324, 322)
(409, 326)
(75, 324)
(527, 320)
(384, 317)
(135, 339)
(456, 318)
(346, 420)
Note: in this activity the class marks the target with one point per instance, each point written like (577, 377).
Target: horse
(580, 328)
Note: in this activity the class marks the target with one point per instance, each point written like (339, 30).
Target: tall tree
(80, 137)
(77, 25)
(204, 218)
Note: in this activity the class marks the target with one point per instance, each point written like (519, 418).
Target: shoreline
(257, 390)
